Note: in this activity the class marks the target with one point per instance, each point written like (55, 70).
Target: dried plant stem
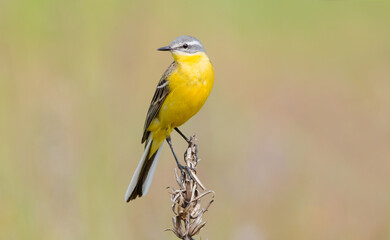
(186, 200)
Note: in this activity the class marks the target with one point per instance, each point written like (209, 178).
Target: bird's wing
(160, 95)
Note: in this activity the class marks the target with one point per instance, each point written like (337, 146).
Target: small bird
(180, 94)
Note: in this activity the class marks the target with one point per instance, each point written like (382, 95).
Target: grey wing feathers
(160, 95)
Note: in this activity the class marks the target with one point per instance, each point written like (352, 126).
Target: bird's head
(184, 46)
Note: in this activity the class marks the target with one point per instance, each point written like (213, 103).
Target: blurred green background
(295, 137)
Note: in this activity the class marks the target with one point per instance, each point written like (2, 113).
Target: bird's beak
(167, 48)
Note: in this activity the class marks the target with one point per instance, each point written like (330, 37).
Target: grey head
(184, 45)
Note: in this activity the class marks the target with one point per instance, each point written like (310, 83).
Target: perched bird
(180, 94)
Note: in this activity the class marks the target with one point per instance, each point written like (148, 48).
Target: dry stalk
(186, 200)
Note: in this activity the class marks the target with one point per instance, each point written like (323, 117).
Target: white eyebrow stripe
(194, 43)
(163, 85)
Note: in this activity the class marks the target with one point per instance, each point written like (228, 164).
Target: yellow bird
(180, 94)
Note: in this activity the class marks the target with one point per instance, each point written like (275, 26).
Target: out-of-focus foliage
(295, 137)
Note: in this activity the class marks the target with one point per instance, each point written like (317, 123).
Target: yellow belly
(190, 86)
(183, 103)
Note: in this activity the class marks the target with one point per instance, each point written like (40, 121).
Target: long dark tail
(143, 175)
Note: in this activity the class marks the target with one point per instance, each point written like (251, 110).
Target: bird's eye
(185, 45)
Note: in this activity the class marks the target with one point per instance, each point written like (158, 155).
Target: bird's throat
(189, 59)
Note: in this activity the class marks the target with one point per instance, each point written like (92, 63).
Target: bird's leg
(181, 167)
(189, 144)
(181, 134)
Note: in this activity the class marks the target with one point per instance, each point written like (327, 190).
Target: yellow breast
(190, 85)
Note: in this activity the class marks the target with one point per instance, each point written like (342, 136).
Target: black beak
(167, 48)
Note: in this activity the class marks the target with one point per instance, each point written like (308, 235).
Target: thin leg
(174, 154)
(181, 134)
(181, 167)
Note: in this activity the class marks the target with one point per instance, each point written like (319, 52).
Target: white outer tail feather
(149, 177)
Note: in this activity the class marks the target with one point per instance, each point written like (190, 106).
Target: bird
(180, 94)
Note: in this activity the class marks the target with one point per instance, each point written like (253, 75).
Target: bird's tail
(143, 175)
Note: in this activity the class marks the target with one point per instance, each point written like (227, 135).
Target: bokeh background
(294, 139)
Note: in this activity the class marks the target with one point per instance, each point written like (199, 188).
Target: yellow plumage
(190, 84)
